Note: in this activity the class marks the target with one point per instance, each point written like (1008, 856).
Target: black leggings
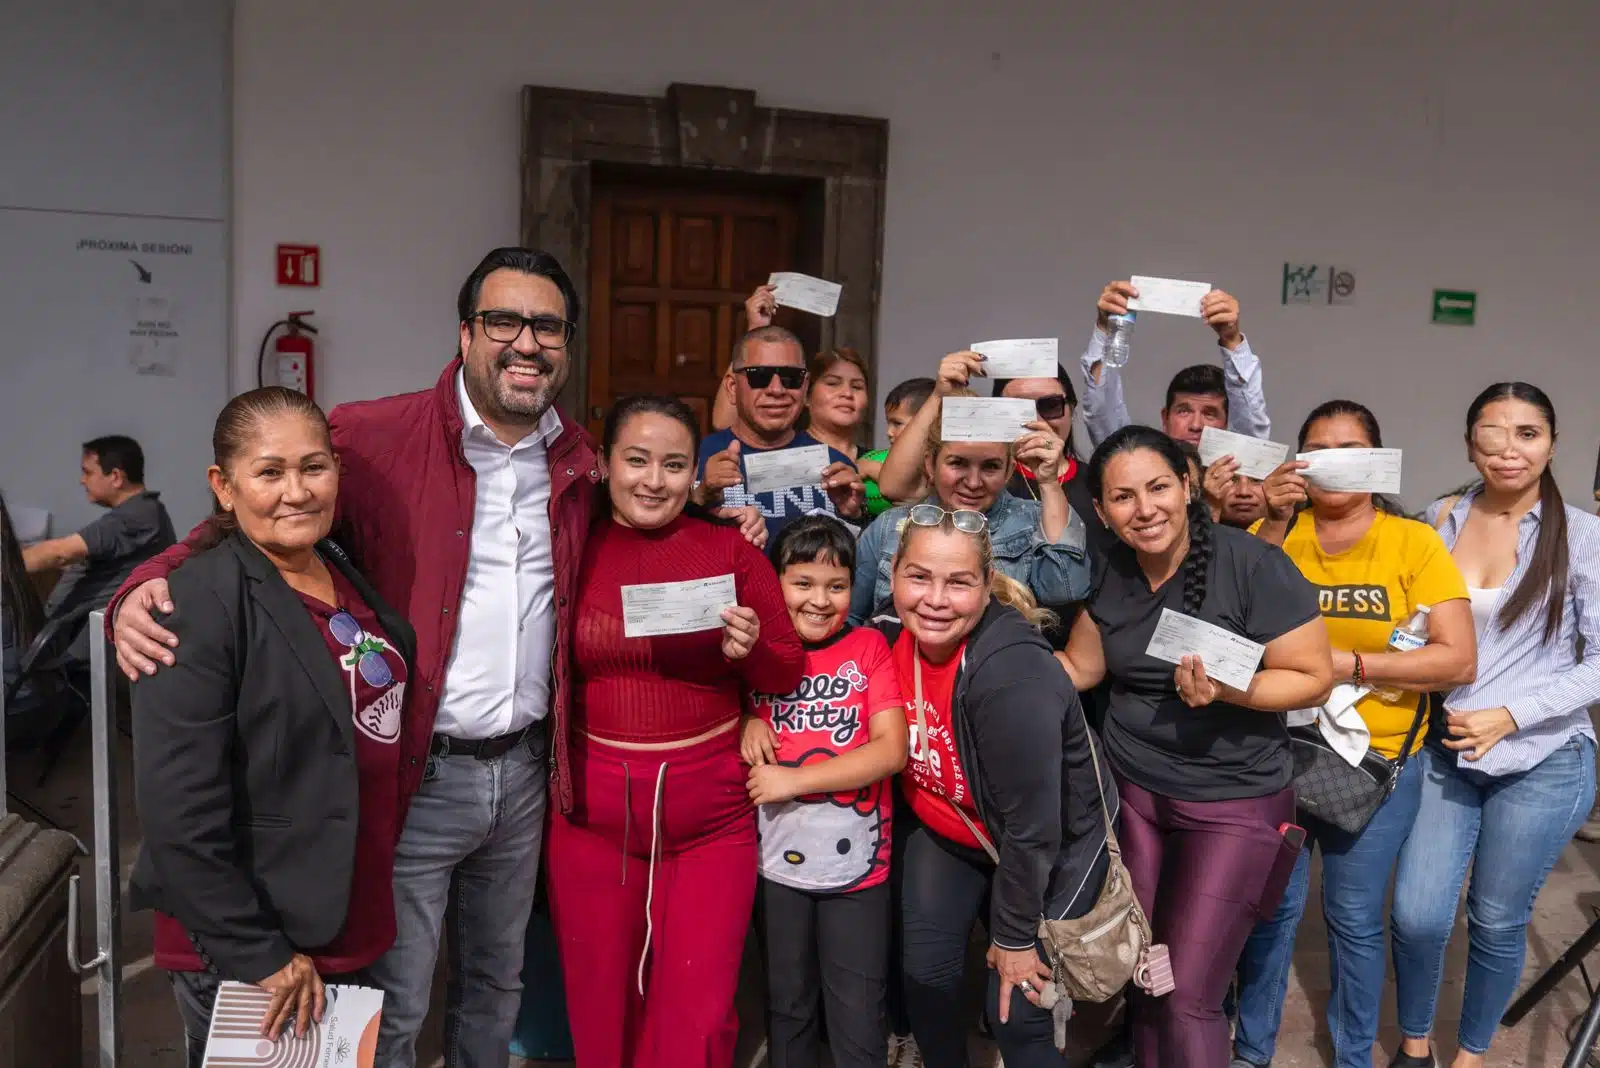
(943, 895)
(828, 952)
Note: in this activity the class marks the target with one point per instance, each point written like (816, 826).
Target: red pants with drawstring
(685, 913)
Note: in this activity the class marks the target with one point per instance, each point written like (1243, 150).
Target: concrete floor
(152, 1036)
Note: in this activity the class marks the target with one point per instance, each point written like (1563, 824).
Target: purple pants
(1200, 869)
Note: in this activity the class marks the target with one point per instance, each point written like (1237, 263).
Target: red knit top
(671, 687)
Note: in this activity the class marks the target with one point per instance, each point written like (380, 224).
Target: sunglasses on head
(1051, 407)
(965, 520)
(761, 377)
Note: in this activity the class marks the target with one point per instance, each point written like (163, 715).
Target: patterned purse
(1327, 787)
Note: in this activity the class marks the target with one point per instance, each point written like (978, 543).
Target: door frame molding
(566, 131)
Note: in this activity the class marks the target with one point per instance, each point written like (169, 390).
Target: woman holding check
(1372, 571)
(653, 872)
(1040, 543)
(1204, 768)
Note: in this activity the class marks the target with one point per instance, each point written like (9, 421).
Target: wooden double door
(670, 270)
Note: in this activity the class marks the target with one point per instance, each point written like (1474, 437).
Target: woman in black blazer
(266, 759)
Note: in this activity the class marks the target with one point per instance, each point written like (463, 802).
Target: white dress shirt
(498, 678)
(1105, 412)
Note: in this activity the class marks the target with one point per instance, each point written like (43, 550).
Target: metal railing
(106, 964)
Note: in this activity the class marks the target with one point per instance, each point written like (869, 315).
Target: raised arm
(1241, 370)
(902, 473)
(1104, 410)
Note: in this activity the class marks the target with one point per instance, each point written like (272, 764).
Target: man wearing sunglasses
(767, 383)
(1228, 397)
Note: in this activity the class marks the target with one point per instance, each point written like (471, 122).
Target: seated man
(767, 384)
(1227, 397)
(97, 558)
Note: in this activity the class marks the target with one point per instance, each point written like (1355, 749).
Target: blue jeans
(469, 853)
(1511, 829)
(1355, 880)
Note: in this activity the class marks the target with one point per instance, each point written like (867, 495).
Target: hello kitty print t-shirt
(830, 842)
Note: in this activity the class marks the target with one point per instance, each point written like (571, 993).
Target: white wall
(1035, 152)
(114, 121)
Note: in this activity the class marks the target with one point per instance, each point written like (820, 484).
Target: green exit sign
(1455, 307)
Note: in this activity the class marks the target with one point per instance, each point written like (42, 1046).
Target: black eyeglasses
(1051, 407)
(761, 377)
(505, 327)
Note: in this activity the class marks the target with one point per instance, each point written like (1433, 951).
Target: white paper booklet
(1228, 658)
(779, 469)
(1257, 457)
(655, 608)
(1168, 296)
(986, 418)
(1025, 357)
(814, 295)
(347, 1037)
(1354, 470)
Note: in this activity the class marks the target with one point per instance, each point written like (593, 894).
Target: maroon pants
(684, 914)
(1200, 869)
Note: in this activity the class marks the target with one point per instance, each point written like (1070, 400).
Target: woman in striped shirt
(1510, 768)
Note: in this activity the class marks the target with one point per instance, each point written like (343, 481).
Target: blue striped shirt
(1544, 685)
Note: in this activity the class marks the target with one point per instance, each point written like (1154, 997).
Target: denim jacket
(1058, 573)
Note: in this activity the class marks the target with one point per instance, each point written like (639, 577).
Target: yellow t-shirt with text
(1370, 589)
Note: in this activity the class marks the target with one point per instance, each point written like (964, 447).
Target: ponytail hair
(1547, 574)
(1009, 591)
(1198, 563)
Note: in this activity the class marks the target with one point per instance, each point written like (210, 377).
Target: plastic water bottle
(1412, 635)
(1119, 331)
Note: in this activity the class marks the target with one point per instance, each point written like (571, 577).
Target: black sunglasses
(761, 377)
(1051, 407)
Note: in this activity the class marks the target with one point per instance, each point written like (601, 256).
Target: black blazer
(244, 764)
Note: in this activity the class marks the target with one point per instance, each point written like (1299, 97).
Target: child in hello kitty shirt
(820, 763)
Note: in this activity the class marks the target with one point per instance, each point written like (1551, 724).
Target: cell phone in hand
(1154, 973)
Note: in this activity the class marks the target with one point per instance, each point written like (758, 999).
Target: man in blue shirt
(767, 381)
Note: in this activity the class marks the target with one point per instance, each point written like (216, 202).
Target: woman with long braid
(1203, 768)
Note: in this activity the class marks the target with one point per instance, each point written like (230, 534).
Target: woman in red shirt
(653, 872)
(266, 759)
(1000, 760)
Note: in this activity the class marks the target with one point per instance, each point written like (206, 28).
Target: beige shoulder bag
(1095, 955)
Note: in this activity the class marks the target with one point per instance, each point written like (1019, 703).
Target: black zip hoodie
(1023, 742)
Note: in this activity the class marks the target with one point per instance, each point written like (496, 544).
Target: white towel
(1341, 725)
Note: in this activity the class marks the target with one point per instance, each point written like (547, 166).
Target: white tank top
(1483, 602)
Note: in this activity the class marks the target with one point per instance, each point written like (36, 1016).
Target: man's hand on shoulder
(142, 643)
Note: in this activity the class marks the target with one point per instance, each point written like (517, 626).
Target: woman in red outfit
(653, 872)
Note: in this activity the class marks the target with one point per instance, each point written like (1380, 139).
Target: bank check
(1354, 470)
(986, 418)
(1029, 357)
(768, 472)
(1168, 296)
(809, 294)
(1228, 658)
(656, 608)
(1257, 457)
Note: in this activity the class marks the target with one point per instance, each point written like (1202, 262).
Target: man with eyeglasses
(767, 383)
(468, 504)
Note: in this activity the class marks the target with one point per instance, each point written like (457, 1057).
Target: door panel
(670, 272)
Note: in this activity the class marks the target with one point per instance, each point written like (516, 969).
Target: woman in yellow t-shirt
(1372, 569)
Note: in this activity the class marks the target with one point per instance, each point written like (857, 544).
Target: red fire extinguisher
(293, 354)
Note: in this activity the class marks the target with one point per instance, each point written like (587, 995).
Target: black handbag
(1346, 797)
